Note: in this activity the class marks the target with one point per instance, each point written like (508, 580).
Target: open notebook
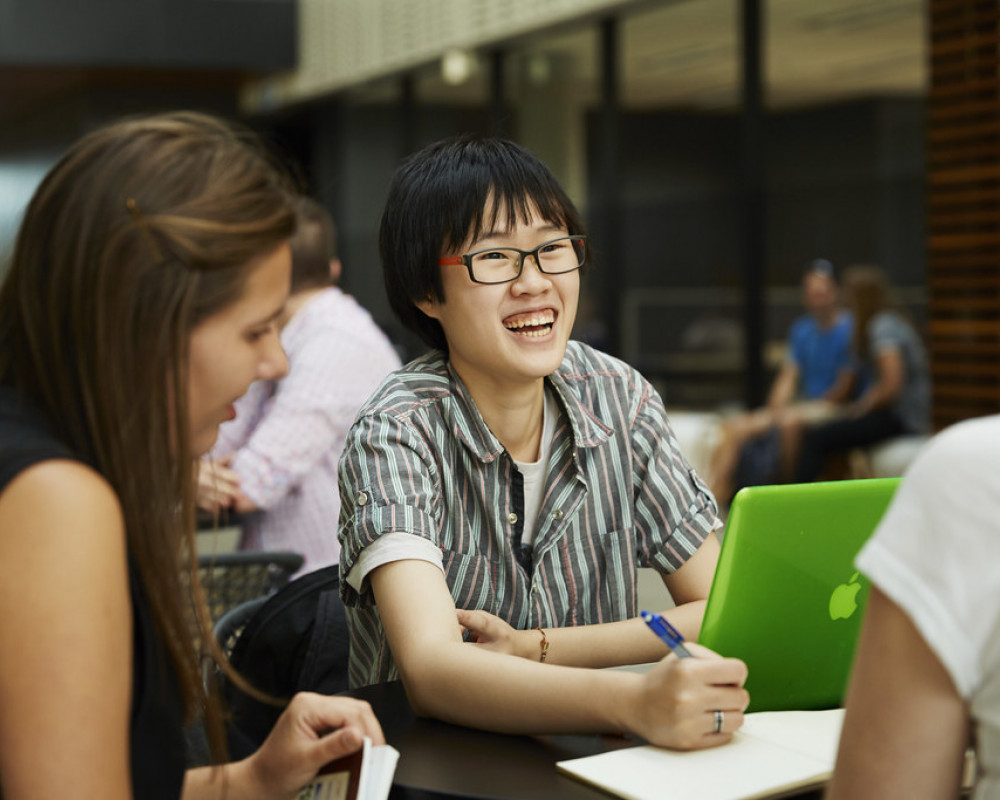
(775, 752)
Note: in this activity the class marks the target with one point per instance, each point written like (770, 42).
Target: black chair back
(295, 641)
(230, 579)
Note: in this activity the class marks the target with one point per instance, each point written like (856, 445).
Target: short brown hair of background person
(314, 247)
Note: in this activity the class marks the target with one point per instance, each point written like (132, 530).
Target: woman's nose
(531, 279)
(274, 365)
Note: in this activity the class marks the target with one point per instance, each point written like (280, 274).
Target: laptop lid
(786, 597)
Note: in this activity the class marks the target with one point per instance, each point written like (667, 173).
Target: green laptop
(786, 597)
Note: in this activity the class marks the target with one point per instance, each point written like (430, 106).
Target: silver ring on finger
(719, 719)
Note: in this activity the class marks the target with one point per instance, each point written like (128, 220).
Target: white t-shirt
(534, 473)
(936, 554)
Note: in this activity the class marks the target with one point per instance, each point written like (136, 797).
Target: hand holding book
(364, 775)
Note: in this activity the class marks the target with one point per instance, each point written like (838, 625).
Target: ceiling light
(457, 66)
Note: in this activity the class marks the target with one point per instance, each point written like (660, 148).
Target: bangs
(505, 186)
(514, 209)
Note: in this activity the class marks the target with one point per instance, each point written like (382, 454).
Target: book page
(364, 775)
(771, 756)
(812, 733)
(378, 778)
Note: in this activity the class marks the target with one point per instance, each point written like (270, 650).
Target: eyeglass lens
(503, 264)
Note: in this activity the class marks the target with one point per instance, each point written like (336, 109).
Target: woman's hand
(676, 704)
(313, 731)
(490, 632)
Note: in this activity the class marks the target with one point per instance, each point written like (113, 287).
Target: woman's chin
(203, 442)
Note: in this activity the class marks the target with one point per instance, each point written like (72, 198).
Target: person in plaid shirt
(276, 462)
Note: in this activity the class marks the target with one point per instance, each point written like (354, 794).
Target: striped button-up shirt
(619, 495)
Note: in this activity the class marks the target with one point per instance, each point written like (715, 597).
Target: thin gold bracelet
(544, 645)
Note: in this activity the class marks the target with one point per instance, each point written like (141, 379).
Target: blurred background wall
(715, 147)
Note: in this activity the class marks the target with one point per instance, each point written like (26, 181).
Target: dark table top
(439, 760)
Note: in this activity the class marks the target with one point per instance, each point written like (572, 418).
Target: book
(364, 775)
(775, 752)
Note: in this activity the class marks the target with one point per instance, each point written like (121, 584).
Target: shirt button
(512, 518)
(361, 499)
(557, 514)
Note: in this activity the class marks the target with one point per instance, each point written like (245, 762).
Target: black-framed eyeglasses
(504, 264)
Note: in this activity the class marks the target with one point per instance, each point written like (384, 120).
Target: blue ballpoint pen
(667, 632)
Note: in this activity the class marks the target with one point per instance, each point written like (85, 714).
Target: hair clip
(140, 220)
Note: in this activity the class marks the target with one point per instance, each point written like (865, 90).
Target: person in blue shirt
(894, 373)
(761, 446)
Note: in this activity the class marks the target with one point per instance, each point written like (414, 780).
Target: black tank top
(157, 735)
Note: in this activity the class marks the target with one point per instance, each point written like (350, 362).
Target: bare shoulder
(59, 510)
(63, 566)
(58, 487)
(66, 632)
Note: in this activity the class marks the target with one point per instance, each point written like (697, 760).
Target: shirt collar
(588, 429)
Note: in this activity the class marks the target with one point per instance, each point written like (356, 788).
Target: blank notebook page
(775, 751)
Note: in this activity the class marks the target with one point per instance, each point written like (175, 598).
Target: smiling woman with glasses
(514, 480)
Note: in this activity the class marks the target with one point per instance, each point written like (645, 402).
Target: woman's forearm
(610, 644)
(670, 705)
(467, 686)
(233, 781)
(888, 384)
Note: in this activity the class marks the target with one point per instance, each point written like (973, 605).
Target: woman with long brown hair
(142, 299)
(892, 371)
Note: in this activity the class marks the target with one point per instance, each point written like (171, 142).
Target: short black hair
(443, 195)
(822, 266)
(314, 245)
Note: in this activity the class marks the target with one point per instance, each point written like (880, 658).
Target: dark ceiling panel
(251, 35)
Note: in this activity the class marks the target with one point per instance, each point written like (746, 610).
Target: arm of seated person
(840, 391)
(672, 705)
(610, 644)
(784, 387)
(888, 383)
(301, 433)
(65, 636)
(906, 727)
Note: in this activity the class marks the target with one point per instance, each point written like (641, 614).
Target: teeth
(545, 318)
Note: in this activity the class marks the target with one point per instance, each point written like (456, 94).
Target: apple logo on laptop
(842, 600)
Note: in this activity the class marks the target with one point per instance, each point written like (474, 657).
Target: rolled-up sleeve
(389, 482)
(674, 510)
